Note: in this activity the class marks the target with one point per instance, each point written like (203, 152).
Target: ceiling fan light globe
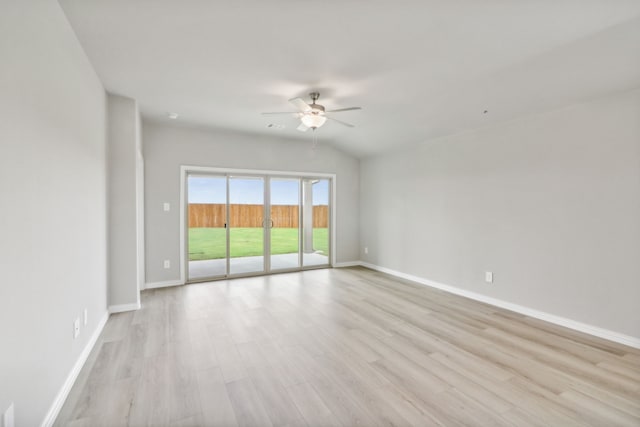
(313, 121)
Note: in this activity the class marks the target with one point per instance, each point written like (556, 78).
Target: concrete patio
(217, 267)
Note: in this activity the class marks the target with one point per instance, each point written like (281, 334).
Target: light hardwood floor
(344, 347)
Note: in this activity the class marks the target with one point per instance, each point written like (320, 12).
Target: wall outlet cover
(166, 206)
(167, 263)
(76, 327)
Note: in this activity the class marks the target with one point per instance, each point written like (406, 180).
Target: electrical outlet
(166, 206)
(8, 418)
(366, 250)
(167, 263)
(488, 276)
(85, 317)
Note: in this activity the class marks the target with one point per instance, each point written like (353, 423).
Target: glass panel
(246, 232)
(285, 230)
(315, 227)
(207, 242)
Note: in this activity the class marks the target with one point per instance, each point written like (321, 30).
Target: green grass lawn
(210, 243)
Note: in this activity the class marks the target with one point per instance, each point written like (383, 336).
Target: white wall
(52, 204)
(125, 195)
(167, 147)
(550, 203)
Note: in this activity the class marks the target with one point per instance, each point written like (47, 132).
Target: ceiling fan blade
(300, 104)
(280, 112)
(302, 128)
(341, 122)
(344, 109)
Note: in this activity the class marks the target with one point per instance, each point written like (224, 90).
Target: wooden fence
(283, 216)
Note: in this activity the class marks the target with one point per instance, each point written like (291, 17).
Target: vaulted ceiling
(419, 68)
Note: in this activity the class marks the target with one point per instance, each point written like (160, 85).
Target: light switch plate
(488, 276)
(166, 206)
(76, 327)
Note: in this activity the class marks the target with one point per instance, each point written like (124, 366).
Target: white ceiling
(419, 68)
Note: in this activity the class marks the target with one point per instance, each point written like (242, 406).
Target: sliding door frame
(185, 170)
(269, 229)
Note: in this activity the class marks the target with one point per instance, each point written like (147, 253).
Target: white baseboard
(347, 264)
(53, 412)
(164, 284)
(547, 317)
(124, 307)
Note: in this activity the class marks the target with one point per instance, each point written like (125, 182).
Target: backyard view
(229, 214)
(210, 243)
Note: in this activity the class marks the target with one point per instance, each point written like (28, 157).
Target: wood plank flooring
(345, 347)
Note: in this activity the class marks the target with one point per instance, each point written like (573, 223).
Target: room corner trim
(347, 264)
(55, 408)
(551, 318)
(166, 283)
(124, 307)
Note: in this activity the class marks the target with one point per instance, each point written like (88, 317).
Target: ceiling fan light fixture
(313, 121)
(312, 116)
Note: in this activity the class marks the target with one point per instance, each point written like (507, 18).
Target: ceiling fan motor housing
(317, 108)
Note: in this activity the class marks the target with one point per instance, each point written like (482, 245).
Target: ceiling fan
(313, 115)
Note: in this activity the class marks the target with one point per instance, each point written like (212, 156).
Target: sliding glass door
(240, 225)
(315, 228)
(284, 223)
(207, 226)
(246, 225)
